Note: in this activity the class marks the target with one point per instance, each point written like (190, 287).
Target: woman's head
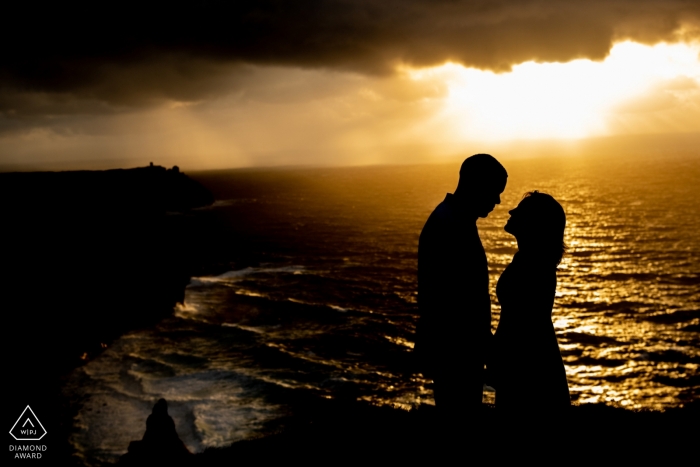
(538, 224)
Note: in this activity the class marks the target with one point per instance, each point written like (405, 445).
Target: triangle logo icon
(28, 427)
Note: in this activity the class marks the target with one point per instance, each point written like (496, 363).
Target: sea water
(310, 287)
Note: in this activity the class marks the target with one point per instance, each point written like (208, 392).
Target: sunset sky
(344, 82)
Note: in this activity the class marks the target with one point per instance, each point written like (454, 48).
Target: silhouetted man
(454, 331)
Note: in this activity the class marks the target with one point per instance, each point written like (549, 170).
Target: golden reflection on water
(626, 311)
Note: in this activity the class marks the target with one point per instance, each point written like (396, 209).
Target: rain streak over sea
(310, 287)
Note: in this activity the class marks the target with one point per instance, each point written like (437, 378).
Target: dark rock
(91, 255)
(331, 432)
(87, 257)
(160, 444)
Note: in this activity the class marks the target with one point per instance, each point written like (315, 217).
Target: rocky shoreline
(89, 256)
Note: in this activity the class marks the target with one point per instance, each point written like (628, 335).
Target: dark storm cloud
(59, 59)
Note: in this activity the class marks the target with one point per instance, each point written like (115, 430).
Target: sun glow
(577, 99)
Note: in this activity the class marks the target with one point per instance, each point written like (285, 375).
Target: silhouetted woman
(529, 371)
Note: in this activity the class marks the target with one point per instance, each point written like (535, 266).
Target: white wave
(233, 276)
(256, 330)
(334, 307)
(249, 293)
(216, 204)
(186, 310)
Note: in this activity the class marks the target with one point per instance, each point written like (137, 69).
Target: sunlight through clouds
(562, 100)
(281, 115)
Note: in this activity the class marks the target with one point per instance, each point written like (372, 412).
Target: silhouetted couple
(454, 339)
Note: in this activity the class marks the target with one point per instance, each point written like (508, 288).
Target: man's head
(482, 179)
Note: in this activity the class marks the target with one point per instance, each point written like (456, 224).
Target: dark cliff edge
(327, 432)
(88, 256)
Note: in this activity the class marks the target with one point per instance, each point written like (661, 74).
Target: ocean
(308, 286)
